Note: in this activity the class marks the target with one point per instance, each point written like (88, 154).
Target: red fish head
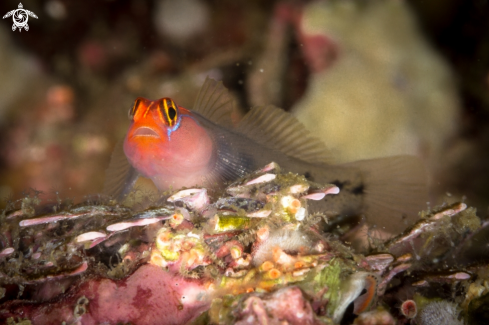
(167, 144)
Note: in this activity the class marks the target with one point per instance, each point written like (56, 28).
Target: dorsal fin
(120, 176)
(276, 129)
(215, 103)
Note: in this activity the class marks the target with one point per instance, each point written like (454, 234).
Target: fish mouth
(145, 131)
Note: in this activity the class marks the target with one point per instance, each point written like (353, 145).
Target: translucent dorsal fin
(276, 129)
(120, 176)
(215, 103)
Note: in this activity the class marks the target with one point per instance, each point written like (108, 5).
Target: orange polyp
(248, 290)
(266, 266)
(157, 259)
(298, 265)
(294, 205)
(274, 274)
(176, 219)
(164, 237)
(280, 257)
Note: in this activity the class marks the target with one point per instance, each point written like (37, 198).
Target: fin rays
(215, 103)
(276, 129)
(120, 176)
(395, 190)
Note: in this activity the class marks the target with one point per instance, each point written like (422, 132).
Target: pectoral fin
(120, 177)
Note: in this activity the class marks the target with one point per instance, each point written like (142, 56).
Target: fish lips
(145, 131)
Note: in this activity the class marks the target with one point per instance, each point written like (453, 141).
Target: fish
(176, 147)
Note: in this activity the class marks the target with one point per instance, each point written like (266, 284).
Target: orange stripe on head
(147, 110)
(160, 114)
(136, 106)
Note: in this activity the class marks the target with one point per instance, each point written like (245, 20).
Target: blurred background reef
(370, 78)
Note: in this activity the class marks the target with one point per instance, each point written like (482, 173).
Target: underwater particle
(440, 313)
(409, 309)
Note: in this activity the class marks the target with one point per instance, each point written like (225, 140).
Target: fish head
(166, 143)
(152, 121)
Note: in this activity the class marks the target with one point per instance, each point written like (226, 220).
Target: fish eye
(172, 112)
(134, 108)
(169, 110)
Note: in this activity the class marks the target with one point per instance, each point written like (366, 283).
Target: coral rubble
(252, 254)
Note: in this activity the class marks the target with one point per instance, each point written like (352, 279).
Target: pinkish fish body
(176, 147)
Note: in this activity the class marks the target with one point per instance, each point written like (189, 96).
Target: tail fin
(395, 191)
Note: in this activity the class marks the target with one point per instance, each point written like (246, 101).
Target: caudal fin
(395, 191)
